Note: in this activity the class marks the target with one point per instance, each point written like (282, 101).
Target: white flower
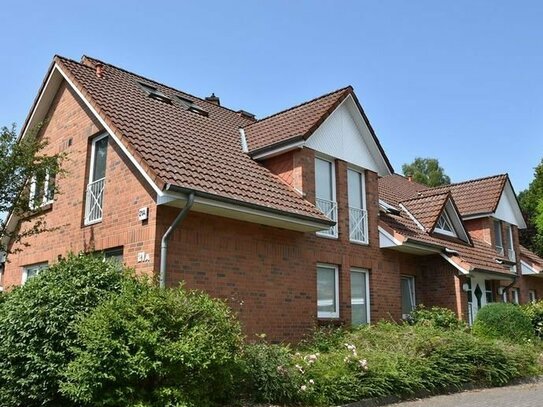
(303, 387)
(300, 369)
(310, 359)
(311, 381)
(363, 364)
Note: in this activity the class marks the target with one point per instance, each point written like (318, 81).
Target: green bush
(534, 311)
(503, 321)
(153, 347)
(436, 316)
(38, 331)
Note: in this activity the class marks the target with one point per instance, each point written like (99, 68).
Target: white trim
(362, 179)
(336, 282)
(36, 266)
(448, 223)
(389, 236)
(332, 162)
(111, 133)
(532, 296)
(366, 273)
(461, 269)
(528, 269)
(419, 225)
(387, 207)
(412, 291)
(279, 150)
(92, 158)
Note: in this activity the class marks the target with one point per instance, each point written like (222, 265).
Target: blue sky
(461, 81)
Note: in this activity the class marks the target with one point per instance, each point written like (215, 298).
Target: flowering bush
(436, 316)
(534, 311)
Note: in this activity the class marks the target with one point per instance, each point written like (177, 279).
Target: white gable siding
(508, 209)
(345, 135)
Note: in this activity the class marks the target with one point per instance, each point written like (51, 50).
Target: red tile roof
(296, 122)
(426, 209)
(531, 258)
(394, 189)
(182, 148)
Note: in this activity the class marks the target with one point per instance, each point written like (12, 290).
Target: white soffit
(345, 135)
(508, 209)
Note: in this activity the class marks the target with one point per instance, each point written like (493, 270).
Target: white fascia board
(528, 270)
(279, 150)
(244, 213)
(508, 208)
(455, 218)
(155, 187)
(386, 239)
(461, 269)
(419, 225)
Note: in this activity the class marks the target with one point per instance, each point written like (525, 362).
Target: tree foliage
(531, 203)
(426, 171)
(21, 160)
(38, 327)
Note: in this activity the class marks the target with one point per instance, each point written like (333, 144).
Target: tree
(531, 204)
(26, 181)
(426, 171)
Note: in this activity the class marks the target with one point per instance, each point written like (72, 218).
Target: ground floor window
(32, 271)
(408, 295)
(327, 291)
(115, 253)
(488, 292)
(360, 297)
(504, 294)
(515, 295)
(531, 296)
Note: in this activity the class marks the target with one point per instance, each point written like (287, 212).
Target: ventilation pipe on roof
(99, 70)
(164, 243)
(214, 99)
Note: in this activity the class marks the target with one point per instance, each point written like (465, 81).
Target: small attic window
(154, 93)
(191, 107)
(444, 225)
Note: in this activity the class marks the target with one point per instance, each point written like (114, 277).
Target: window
(1, 275)
(358, 216)
(532, 296)
(360, 297)
(510, 242)
(327, 291)
(32, 271)
(154, 93)
(325, 191)
(504, 294)
(488, 292)
(444, 225)
(42, 189)
(408, 295)
(515, 294)
(498, 237)
(115, 254)
(97, 178)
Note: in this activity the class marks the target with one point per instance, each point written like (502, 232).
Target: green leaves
(426, 171)
(531, 203)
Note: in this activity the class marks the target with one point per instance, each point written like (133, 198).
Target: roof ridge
(426, 196)
(348, 87)
(466, 182)
(147, 79)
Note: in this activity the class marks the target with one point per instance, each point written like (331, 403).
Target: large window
(325, 191)
(510, 242)
(327, 291)
(498, 241)
(408, 295)
(32, 271)
(97, 178)
(360, 297)
(358, 216)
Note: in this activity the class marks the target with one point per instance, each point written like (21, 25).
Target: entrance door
(477, 295)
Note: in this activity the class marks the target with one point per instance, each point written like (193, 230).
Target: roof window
(444, 225)
(191, 107)
(154, 93)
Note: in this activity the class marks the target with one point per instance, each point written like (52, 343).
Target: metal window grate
(94, 201)
(329, 208)
(358, 225)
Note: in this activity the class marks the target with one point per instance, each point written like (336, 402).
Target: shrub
(37, 327)
(154, 347)
(503, 321)
(534, 311)
(436, 316)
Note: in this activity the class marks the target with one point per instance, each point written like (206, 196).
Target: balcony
(329, 208)
(511, 255)
(94, 202)
(358, 225)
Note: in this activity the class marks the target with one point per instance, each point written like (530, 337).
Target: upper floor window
(97, 177)
(498, 241)
(32, 271)
(510, 243)
(358, 215)
(444, 225)
(42, 189)
(325, 193)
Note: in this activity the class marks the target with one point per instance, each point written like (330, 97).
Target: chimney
(410, 178)
(99, 70)
(214, 99)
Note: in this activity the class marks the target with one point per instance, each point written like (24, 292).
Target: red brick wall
(70, 128)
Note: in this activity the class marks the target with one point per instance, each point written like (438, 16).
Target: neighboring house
(295, 219)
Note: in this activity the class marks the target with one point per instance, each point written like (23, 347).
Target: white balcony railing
(329, 208)
(94, 201)
(511, 254)
(358, 225)
(499, 249)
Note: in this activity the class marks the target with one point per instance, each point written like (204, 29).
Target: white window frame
(413, 292)
(532, 296)
(448, 222)
(499, 247)
(32, 267)
(44, 192)
(368, 302)
(504, 294)
(515, 295)
(335, 314)
(91, 180)
(510, 244)
(331, 233)
(364, 206)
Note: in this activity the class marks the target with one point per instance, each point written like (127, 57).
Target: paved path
(525, 395)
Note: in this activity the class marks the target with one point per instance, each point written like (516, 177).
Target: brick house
(295, 220)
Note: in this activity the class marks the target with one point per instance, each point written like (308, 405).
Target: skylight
(154, 93)
(190, 106)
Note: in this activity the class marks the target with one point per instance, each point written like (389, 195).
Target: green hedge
(535, 313)
(503, 321)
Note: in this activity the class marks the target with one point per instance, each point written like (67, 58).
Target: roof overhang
(399, 243)
(244, 211)
(528, 269)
